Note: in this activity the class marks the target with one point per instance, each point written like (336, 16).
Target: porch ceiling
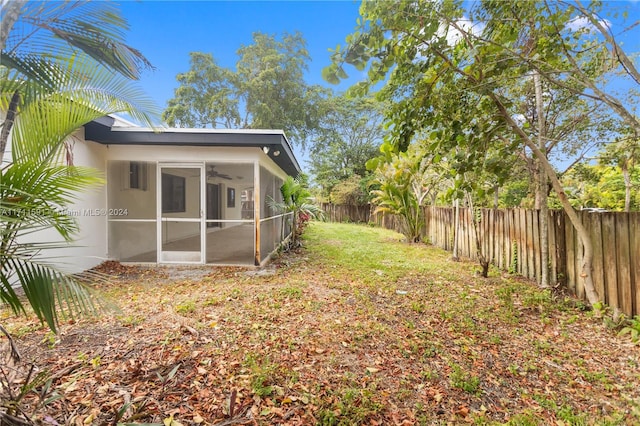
(103, 131)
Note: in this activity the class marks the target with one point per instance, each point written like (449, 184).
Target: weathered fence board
(570, 249)
(560, 249)
(553, 261)
(609, 259)
(634, 250)
(598, 260)
(499, 239)
(623, 262)
(530, 245)
(522, 235)
(579, 255)
(511, 240)
(537, 245)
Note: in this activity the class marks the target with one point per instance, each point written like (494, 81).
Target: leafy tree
(349, 134)
(206, 96)
(443, 49)
(603, 186)
(353, 191)
(515, 192)
(47, 98)
(266, 90)
(624, 154)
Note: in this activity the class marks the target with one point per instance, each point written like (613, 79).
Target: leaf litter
(320, 339)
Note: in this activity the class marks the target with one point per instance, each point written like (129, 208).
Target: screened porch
(194, 212)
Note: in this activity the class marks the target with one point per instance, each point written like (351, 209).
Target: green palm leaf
(88, 93)
(50, 293)
(94, 28)
(49, 97)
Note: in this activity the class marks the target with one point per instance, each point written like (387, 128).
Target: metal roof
(104, 131)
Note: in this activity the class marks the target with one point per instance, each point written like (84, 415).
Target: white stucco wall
(89, 248)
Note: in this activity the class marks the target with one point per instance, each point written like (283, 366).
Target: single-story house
(196, 196)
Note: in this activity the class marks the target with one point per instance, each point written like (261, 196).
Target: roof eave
(279, 151)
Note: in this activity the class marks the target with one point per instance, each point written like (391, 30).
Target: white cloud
(520, 119)
(454, 36)
(582, 23)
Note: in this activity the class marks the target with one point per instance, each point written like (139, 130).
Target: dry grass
(356, 328)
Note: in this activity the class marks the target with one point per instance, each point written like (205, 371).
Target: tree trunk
(587, 260)
(541, 185)
(7, 125)
(11, 13)
(536, 178)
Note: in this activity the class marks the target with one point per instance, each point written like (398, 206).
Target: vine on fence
(513, 268)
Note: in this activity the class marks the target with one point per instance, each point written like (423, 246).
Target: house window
(231, 198)
(173, 194)
(137, 176)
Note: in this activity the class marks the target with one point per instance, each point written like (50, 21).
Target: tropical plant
(405, 181)
(603, 186)
(632, 328)
(298, 207)
(352, 191)
(46, 99)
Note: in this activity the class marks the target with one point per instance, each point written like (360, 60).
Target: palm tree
(297, 207)
(46, 98)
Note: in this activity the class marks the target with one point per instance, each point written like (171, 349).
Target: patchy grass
(356, 328)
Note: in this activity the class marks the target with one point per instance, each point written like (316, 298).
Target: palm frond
(50, 293)
(56, 74)
(94, 28)
(47, 121)
(8, 293)
(32, 68)
(313, 210)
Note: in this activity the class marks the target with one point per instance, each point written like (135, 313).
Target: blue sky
(166, 31)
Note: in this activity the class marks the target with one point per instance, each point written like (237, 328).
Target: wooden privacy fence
(346, 213)
(510, 239)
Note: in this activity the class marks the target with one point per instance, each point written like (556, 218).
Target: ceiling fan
(212, 173)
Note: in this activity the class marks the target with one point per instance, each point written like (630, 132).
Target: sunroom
(199, 196)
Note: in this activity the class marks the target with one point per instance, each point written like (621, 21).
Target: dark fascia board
(102, 131)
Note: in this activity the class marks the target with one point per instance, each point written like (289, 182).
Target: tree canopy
(450, 66)
(349, 134)
(266, 90)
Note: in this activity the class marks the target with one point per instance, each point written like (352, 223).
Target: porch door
(180, 211)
